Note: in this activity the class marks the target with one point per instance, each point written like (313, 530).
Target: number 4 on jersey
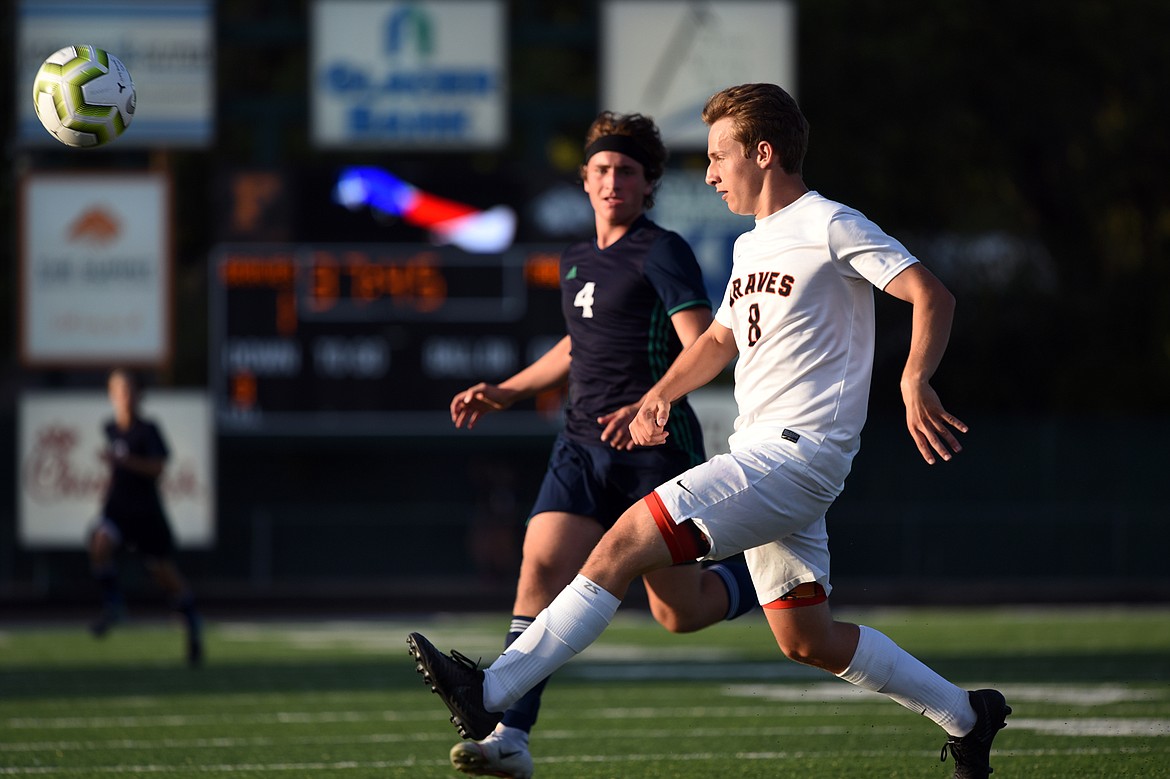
(584, 300)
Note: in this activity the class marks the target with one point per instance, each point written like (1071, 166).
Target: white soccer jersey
(800, 303)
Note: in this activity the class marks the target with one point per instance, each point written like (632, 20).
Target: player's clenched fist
(649, 425)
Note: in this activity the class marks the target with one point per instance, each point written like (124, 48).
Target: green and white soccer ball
(84, 96)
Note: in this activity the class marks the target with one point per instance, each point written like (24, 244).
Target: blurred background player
(632, 299)
(133, 517)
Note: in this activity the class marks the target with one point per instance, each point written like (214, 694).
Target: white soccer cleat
(493, 756)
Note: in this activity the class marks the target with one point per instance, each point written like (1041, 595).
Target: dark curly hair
(644, 132)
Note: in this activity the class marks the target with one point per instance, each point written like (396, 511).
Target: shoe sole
(468, 759)
(473, 764)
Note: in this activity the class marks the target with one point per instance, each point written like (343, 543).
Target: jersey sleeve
(863, 250)
(673, 271)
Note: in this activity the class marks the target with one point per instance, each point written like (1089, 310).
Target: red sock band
(807, 594)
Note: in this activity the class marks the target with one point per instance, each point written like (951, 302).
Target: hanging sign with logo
(95, 269)
(664, 58)
(413, 75)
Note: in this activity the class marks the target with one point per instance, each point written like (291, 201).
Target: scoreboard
(375, 339)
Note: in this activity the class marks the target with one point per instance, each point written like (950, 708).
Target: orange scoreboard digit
(345, 339)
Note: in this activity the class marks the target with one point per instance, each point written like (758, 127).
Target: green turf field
(1090, 689)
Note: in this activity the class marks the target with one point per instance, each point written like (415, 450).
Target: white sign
(687, 204)
(61, 480)
(664, 59)
(96, 266)
(714, 405)
(409, 74)
(167, 45)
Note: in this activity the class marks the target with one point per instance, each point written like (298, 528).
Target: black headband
(622, 144)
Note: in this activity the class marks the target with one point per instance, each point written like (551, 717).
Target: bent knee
(806, 653)
(546, 569)
(798, 653)
(675, 620)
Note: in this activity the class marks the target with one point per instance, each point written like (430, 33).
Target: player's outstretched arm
(696, 366)
(550, 370)
(931, 426)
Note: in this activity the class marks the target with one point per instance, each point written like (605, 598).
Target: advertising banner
(415, 75)
(61, 477)
(664, 58)
(95, 269)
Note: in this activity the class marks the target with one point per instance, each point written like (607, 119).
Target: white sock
(882, 666)
(511, 735)
(571, 622)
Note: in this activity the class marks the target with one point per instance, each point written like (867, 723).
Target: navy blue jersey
(132, 495)
(617, 305)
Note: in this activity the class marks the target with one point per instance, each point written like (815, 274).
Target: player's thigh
(556, 545)
(677, 582)
(560, 538)
(679, 601)
(632, 547)
(683, 599)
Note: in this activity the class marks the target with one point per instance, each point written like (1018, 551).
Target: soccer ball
(84, 96)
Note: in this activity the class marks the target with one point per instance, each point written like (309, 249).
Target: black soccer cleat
(459, 682)
(972, 752)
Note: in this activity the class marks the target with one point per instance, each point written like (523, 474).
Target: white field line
(1088, 727)
(409, 738)
(878, 709)
(1073, 695)
(674, 757)
(814, 699)
(1095, 726)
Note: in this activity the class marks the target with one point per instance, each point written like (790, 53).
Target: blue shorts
(598, 481)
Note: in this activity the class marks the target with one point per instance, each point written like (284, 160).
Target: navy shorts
(598, 481)
(148, 534)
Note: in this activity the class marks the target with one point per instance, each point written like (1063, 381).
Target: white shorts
(763, 503)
